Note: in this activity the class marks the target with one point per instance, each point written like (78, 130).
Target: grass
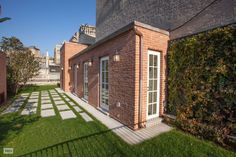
(75, 137)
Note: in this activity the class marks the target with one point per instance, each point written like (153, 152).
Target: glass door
(153, 84)
(104, 93)
(86, 81)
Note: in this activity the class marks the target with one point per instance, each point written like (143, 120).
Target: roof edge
(121, 31)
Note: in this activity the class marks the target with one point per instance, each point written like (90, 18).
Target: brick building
(3, 79)
(124, 72)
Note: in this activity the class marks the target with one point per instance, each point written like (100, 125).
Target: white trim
(158, 83)
(104, 107)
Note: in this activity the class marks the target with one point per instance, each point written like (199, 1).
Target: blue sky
(44, 23)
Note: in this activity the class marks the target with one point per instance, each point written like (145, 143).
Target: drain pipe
(137, 32)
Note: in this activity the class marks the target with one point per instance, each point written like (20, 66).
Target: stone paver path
(67, 114)
(50, 100)
(46, 106)
(15, 106)
(30, 108)
(77, 109)
(59, 102)
(48, 113)
(63, 107)
(86, 117)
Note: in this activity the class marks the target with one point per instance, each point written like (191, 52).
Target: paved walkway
(128, 135)
(51, 101)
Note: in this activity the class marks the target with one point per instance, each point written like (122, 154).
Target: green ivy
(202, 82)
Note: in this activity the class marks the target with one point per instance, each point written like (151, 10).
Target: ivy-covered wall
(202, 83)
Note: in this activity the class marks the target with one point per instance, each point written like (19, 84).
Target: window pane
(150, 85)
(106, 65)
(150, 97)
(150, 72)
(155, 84)
(106, 77)
(154, 96)
(154, 108)
(149, 109)
(155, 60)
(150, 60)
(155, 72)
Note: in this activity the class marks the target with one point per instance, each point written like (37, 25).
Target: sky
(45, 23)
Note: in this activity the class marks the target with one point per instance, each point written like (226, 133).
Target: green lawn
(75, 137)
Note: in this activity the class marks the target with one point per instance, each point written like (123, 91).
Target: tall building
(35, 51)
(57, 54)
(85, 35)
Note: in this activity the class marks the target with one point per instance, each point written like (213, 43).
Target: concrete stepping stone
(26, 112)
(31, 104)
(33, 100)
(46, 106)
(17, 103)
(33, 97)
(11, 109)
(71, 103)
(67, 99)
(59, 102)
(48, 113)
(43, 95)
(24, 95)
(45, 101)
(57, 99)
(29, 111)
(45, 98)
(77, 108)
(86, 117)
(63, 107)
(67, 114)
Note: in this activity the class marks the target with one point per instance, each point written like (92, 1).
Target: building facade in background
(3, 79)
(35, 51)
(86, 35)
(124, 73)
(49, 72)
(57, 54)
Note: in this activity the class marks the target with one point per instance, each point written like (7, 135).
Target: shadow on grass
(96, 144)
(12, 124)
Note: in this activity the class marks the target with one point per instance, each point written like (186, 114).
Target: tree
(21, 65)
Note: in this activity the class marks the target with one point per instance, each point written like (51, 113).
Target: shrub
(202, 83)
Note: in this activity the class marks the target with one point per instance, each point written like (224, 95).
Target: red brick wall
(3, 82)
(123, 75)
(155, 41)
(68, 49)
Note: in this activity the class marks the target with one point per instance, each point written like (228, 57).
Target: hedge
(202, 83)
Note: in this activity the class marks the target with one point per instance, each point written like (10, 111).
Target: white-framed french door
(104, 83)
(86, 80)
(153, 84)
(75, 78)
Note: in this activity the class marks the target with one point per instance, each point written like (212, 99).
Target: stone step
(153, 121)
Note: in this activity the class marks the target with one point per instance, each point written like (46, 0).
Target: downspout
(137, 32)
